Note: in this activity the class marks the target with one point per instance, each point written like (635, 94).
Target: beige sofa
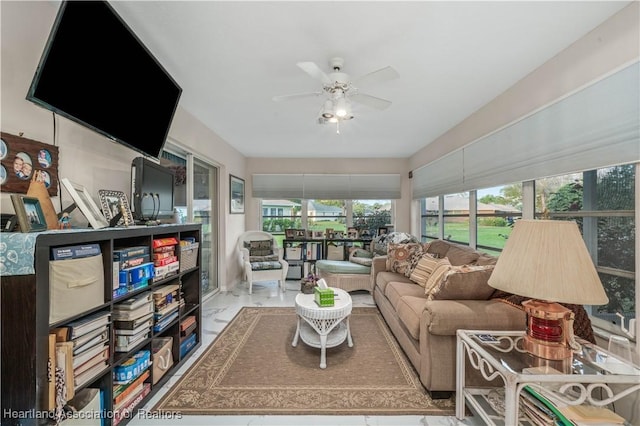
(426, 329)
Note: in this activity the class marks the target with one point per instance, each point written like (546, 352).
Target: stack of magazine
(133, 320)
(86, 342)
(166, 301)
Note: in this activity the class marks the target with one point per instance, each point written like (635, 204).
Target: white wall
(86, 157)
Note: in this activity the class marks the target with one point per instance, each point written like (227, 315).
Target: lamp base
(549, 330)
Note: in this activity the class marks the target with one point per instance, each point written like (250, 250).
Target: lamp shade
(548, 260)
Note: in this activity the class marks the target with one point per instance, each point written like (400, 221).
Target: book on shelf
(545, 404)
(129, 344)
(188, 330)
(88, 354)
(165, 294)
(88, 344)
(84, 378)
(50, 400)
(131, 314)
(159, 315)
(125, 409)
(163, 323)
(134, 302)
(125, 340)
(84, 325)
(187, 322)
(75, 252)
(133, 323)
(101, 356)
(121, 392)
(146, 325)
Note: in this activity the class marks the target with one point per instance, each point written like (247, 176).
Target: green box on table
(324, 297)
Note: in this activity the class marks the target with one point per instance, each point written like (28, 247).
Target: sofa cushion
(409, 311)
(341, 267)
(424, 269)
(441, 268)
(467, 282)
(461, 255)
(401, 257)
(384, 278)
(395, 290)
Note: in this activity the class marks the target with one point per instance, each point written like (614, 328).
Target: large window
(602, 202)
(497, 210)
(456, 218)
(319, 215)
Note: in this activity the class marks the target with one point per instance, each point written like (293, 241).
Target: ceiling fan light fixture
(327, 110)
(341, 108)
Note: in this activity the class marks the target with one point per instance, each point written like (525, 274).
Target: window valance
(327, 186)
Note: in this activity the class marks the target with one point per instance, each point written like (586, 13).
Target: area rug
(252, 369)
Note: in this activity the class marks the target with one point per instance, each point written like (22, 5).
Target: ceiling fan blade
(383, 74)
(314, 71)
(371, 101)
(295, 96)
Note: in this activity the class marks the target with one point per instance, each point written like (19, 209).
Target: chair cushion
(341, 267)
(268, 258)
(262, 266)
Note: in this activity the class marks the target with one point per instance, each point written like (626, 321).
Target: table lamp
(548, 261)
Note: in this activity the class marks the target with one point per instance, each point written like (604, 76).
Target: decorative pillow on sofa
(401, 257)
(436, 277)
(466, 282)
(456, 253)
(379, 245)
(423, 269)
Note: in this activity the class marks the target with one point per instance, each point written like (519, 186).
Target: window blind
(596, 127)
(327, 186)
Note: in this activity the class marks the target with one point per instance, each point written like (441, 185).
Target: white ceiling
(232, 57)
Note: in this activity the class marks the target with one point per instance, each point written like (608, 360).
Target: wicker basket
(188, 256)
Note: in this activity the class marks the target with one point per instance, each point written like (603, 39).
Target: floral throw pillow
(402, 258)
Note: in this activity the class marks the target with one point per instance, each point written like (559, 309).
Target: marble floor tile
(217, 312)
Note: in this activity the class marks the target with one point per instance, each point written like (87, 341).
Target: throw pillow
(361, 257)
(259, 248)
(399, 257)
(436, 277)
(379, 245)
(464, 282)
(423, 269)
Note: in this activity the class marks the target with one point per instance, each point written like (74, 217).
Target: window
(497, 209)
(456, 218)
(319, 215)
(429, 218)
(602, 202)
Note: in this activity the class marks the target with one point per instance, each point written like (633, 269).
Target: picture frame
(301, 234)
(352, 233)
(29, 213)
(317, 235)
(383, 230)
(114, 202)
(236, 195)
(290, 233)
(85, 203)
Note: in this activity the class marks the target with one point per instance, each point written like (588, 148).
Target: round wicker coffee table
(323, 327)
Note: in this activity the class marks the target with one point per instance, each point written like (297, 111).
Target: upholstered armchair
(261, 258)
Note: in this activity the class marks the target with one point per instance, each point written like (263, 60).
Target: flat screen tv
(152, 187)
(95, 71)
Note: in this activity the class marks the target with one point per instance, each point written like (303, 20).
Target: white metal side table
(592, 370)
(323, 327)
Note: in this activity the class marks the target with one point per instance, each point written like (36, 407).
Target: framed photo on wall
(29, 213)
(236, 195)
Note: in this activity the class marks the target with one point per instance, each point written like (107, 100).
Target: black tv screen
(95, 71)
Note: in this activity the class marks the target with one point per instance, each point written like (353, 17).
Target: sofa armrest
(445, 317)
(378, 264)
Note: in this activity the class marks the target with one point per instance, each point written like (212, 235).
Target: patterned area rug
(252, 369)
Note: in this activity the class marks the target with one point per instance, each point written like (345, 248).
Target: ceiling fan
(339, 90)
